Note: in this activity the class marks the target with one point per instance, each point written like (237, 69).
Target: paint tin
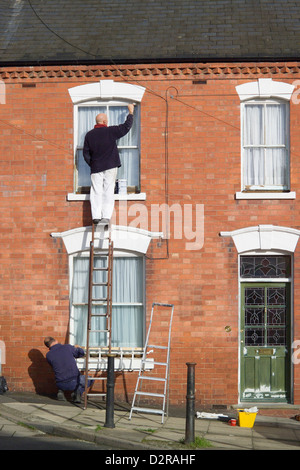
(232, 422)
(122, 186)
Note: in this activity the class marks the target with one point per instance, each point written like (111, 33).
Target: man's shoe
(76, 396)
(96, 221)
(61, 395)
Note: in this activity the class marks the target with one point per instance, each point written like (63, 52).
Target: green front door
(265, 342)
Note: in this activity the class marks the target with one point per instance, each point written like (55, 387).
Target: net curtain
(128, 145)
(127, 311)
(265, 152)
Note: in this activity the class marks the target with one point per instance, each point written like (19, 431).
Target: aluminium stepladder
(165, 366)
(100, 294)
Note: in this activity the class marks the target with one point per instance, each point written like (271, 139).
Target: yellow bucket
(246, 419)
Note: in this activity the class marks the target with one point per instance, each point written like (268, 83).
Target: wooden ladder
(100, 294)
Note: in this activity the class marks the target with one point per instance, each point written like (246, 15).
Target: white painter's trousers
(102, 193)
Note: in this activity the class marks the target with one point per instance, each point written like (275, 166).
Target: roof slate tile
(108, 31)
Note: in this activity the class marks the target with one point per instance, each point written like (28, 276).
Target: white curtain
(128, 145)
(275, 136)
(127, 313)
(265, 146)
(86, 122)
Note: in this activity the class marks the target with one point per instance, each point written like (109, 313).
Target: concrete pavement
(23, 414)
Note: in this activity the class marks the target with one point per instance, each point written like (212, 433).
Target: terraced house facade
(210, 221)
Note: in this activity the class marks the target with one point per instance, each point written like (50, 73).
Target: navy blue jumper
(100, 149)
(61, 357)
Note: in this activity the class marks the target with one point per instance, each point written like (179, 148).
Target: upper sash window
(265, 129)
(265, 145)
(128, 146)
(112, 98)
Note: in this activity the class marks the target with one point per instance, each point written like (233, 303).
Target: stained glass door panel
(265, 341)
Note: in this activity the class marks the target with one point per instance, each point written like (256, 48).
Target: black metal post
(109, 419)
(190, 404)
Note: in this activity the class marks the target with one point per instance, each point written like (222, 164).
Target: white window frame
(99, 93)
(117, 254)
(127, 358)
(107, 105)
(267, 90)
(264, 104)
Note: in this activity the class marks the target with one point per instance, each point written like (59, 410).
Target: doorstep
(284, 410)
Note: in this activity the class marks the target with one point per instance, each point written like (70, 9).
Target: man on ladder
(101, 153)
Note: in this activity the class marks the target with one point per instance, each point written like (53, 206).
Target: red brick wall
(203, 162)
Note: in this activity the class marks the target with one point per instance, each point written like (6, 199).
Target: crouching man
(62, 357)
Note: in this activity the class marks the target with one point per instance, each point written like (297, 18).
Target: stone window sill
(118, 197)
(265, 195)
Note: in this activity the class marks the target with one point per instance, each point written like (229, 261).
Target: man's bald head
(101, 119)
